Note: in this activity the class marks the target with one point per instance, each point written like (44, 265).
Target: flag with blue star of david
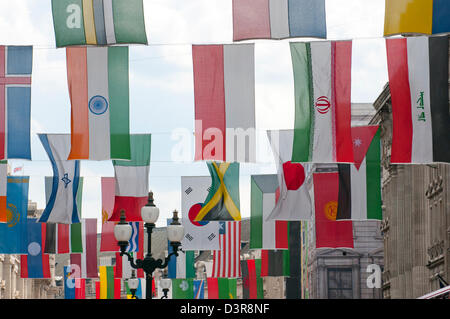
(62, 204)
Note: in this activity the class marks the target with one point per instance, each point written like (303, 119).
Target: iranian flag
(322, 83)
(99, 94)
(131, 186)
(360, 183)
(418, 81)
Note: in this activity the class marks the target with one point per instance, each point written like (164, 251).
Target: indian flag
(3, 182)
(322, 83)
(99, 94)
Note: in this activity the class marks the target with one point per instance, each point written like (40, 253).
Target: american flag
(226, 261)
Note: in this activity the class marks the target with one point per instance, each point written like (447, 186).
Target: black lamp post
(122, 233)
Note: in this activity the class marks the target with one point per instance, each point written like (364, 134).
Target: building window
(340, 284)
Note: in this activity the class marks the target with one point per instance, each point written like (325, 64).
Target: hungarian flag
(98, 22)
(360, 183)
(62, 205)
(222, 202)
(99, 95)
(330, 233)
(222, 288)
(271, 234)
(87, 260)
(294, 202)
(131, 177)
(203, 235)
(224, 94)
(416, 16)
(16, 63)
(183, 288)
(278, 19)
(322, 83)
(3, 183)
(199, 289)
(418, 81)
(252, 283)
(35, 264)
(226, 260)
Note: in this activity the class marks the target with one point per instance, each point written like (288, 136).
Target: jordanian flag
(360, 183)
(222, 202)
(418, 81)
(98, 22)
(322, 81)
(99, 94)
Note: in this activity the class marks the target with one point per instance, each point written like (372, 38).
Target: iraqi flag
(278, 19)
(418, 81)
(271, 234)
(35, 264)
(202, 235)
(99, 94)
(131, 187)
(360, 183)
(294, 202)
(224, 94)
(322, 83)
(3, 187)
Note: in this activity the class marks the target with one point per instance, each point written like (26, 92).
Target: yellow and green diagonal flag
(222, 202)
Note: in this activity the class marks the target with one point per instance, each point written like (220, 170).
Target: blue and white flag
(199, 289)
(181, 266)
(62, 205)
(133, 243)
(69, 283)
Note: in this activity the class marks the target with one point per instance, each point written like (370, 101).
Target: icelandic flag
(35, 264)
(62, 205)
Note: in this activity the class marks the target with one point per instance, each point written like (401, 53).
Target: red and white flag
(226, 261)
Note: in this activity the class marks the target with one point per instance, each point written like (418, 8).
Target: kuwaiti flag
(278, 19)
(416, 16)
(181, 266)
(360, 183)
(35, 264)
(86, 262)
(322, 85)
(132, 180)
(3, 183)
(418, 81)
(222, 202)
(294, 202)
(16, 63)
(62, 205)
(264, 234)
(203, 235)
(224, 95)
(99, 95)
(98, 22)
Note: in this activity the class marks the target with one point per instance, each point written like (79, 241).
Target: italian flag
(360, 183)
(322, 82)
(99, 94)
(418, 82)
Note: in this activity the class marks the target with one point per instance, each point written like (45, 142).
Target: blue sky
(161, 85)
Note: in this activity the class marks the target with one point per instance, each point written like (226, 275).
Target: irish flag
(322, 83)
(360, 183)
(99, 95)
(418, 80)
(131, 187)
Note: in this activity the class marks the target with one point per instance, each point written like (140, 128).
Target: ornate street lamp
(122, 233)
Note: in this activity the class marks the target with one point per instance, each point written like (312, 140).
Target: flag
(86, 262)
(62, 206)
(107, 240)
(224, 95)
(265, 234)
(16, 63)
(107, 283)
(182, 289)
(3, 183)
(293, 281)
(416, 16)
(322, 85)
(181, 266)
(123, 267)
(203, 235)
(80, 288)
(330, 233)
(221, 288)
(199, 289)
(294, 202)
(35, 264)
(226, 261)
(252, 283)
(278, 19)
(360, 183)
(131, 177)
(63, 238)
(98, 22)
(275, 263)
(69, 283)
(222, 202)
(13, 238)
(418, 81)
(98, 83)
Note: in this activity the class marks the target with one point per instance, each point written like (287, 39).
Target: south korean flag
(201, 235)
